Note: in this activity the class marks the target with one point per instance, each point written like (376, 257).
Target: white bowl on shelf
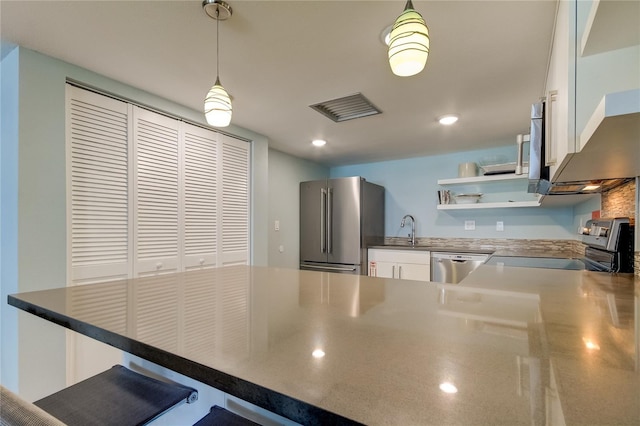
(467, 198)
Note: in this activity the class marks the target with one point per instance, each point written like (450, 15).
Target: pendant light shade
(217, 103)
(217, 106)
(409, 43)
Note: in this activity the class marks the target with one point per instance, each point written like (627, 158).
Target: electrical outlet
(469, 225)
(499, 225)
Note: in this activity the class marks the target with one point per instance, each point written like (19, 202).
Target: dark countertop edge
(276, 402)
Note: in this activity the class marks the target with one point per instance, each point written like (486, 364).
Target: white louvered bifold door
(156, 168)
(234, 199)
(200, 191)
(97, 130)
(98, 143)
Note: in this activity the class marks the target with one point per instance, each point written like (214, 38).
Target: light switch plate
(276, 225)
(469, 225)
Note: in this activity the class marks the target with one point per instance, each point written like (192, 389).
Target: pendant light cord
(217, 42)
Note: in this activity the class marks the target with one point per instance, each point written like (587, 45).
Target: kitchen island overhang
(388, 344)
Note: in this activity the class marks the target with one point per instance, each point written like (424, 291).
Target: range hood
(608, 151)
(583, 187)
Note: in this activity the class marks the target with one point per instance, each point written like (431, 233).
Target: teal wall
(34, 197)
(411, 187)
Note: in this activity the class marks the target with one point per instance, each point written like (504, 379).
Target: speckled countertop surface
(522, 346)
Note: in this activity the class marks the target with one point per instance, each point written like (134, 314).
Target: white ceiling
(487, 63)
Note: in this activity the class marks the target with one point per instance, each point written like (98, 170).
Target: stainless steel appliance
(539, 176)
(538, 170)
(454, 267)
(339, 219)
(609, 244)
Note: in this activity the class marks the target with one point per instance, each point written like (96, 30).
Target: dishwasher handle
(459, 257)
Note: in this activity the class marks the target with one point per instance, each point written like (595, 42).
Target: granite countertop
(522, 346)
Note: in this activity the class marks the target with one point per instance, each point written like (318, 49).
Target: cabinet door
(200, 192)
(382, 269)
(413, 271)
(234, 163)
(156, 172)
(98, 193)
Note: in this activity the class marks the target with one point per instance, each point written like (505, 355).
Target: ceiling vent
(347, 108)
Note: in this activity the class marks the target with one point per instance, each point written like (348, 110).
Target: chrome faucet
(412, 236)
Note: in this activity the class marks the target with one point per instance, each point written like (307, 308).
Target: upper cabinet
(560, 91)
(593, 91)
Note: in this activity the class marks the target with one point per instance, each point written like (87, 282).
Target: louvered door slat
(98, 161)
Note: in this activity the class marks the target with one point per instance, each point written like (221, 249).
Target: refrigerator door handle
(329, 268)
(323, 219)
(329, 220)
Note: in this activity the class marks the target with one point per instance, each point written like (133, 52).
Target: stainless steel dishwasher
(453, 267)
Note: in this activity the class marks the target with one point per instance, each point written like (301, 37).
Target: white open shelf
(482, 179)
(498, 205)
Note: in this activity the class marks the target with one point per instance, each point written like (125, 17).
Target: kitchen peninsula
(521, 346)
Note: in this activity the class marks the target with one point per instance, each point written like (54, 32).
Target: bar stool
(117, 397)
(218, 416)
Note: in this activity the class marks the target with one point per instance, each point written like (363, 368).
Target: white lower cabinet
(400, 264)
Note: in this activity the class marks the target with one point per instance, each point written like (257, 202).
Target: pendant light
(409, 43)
(217, 104)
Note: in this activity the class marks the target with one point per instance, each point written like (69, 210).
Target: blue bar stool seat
(117, 397)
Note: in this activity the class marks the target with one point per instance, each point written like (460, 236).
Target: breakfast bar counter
(506, 346)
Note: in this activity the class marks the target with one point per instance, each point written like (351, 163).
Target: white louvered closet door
(156, 170)
(97, 153)
(97, 130)
(234, 199)
(200, 189)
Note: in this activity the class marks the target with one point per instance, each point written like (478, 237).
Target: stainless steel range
(609, 244)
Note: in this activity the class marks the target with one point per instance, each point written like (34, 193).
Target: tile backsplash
(621, 202)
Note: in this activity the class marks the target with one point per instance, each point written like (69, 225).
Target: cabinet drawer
(403, 256)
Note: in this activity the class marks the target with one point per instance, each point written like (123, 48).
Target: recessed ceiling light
(448, 119)
(319, 142)
(318, 353)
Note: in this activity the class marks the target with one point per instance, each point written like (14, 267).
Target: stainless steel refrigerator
(339, 219)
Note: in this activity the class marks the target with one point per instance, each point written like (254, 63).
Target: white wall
(285, 174)
(34, 197)
(411, 187)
